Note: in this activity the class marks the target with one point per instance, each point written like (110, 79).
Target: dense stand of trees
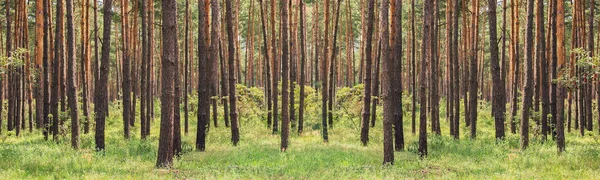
(549, 86)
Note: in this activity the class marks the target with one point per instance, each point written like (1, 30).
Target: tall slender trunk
(101, 88)
(302, 70)
(285, 116)
(235, 136)
(267, 63)
(364, 133)
(473, 70)
(71, 74)
(560, 48)
(274, 72)
(514, 64)
(143, 69)
(169, 68)
(126, 80)
(413, 65)
(425, 57)
(332, 67)
(186, 66)
(39, 57)
(292, 57)
(205, 75)
(389, 66)
(455, 69)
(543, 71)
(57, 60)
(214, 49)
(395, 91)
(498, 86)
(528, 86)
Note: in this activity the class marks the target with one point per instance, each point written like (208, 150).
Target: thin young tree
(324, 68)
(275, 71)
(413, 65)
(186, 66)
(285, 116)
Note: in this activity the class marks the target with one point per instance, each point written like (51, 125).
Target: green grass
(258, 155)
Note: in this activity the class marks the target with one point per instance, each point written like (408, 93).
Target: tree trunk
(364, 133)
(186, 66)
(235, 134)
(169, 63)
(71, 74)
(560, 47)
(274, 72)
(126, 80)
(85, 67)
(144, 74)
(541, 59)
(292, 57)
(332, 67)
(425, 57)
(205, 76)
(394, 93)
(267, 64)
(389, 92)
(101, 88)
(285, 116)
(473, 70)
(528, 86)
(498, 86)
(515, 64)
(39, 57)
(214, 49)
(58, 58)
(413, 65)
(302, 70)
(456, 76)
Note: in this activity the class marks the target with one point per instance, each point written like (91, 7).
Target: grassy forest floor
(258, 156)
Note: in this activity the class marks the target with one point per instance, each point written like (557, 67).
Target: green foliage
(588, 67)
(258, 155)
